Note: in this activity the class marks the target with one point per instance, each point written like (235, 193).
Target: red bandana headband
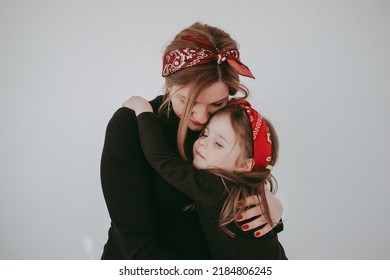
(179, 59)
(262, 144)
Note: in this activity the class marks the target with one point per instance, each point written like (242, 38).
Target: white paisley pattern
(256, 127)
(262, 143)
(178, 59)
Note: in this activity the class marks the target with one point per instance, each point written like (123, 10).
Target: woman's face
(209, 100)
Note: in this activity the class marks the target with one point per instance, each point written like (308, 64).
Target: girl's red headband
(262, 144)
(179, 59)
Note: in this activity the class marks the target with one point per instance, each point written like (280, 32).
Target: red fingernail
(257, 234)
(239, 204)
(245, 227)
(239, 218)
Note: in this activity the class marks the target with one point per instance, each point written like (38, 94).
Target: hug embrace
(188, 175)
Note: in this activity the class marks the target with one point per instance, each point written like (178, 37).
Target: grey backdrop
(322, 76)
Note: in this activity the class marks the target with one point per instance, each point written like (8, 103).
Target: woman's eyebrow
(221, 100)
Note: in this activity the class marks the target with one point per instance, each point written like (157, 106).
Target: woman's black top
(147, 217)
(208, 193)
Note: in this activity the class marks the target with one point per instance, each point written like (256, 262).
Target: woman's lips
(196, 123)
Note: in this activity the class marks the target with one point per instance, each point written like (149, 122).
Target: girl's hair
(239, 186)
(200, 77)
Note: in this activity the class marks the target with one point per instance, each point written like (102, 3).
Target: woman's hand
(275, 209)
(138, 104)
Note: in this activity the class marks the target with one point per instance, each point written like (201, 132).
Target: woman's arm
(260, 223)
(183, 176)
(140, 105)
(126, 179)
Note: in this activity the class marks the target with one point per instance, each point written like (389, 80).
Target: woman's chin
(195, 127)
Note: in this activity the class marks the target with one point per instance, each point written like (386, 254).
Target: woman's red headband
(262, 144)
(179, 59)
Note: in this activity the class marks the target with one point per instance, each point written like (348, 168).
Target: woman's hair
(200, 77)
(241, 185)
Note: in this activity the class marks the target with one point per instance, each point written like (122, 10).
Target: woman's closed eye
(218, 104)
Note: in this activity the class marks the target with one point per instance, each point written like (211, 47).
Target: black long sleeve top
(147, 217)
(209, 194)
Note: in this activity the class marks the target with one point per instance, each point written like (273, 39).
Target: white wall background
(322, 75)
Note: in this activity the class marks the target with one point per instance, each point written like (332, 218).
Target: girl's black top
(208, 193)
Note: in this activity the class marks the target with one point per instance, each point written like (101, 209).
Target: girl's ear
(245, 165)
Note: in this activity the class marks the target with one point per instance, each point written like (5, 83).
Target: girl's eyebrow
(223, 138)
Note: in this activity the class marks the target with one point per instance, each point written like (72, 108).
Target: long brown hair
(241, 185)
(200, 77)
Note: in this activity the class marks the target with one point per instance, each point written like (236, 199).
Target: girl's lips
(197, 153)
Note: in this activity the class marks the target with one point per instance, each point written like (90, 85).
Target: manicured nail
(257, 234)
(239, 204)
(245, 227)
(239, 218)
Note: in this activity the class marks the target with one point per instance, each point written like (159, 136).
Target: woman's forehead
(215, 93)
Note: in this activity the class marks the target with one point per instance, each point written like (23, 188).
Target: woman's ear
(245, 165)
(169, 90)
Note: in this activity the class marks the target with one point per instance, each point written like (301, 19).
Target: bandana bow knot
(221, 56)
(182, 58)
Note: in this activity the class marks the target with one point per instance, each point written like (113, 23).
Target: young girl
(233, 159)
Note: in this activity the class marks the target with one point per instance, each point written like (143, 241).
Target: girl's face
(209, 100)
(218, 147)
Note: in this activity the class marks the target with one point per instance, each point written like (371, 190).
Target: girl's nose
(203, 142)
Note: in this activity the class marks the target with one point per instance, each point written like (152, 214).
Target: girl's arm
(140, 105)
(164, 159)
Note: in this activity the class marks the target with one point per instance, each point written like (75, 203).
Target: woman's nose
(200, 114)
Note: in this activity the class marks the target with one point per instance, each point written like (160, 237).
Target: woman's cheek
(178, 109)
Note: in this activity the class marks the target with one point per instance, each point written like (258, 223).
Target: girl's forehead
(221, 121)
(220, 126)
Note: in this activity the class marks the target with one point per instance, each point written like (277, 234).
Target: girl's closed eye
(219, 145)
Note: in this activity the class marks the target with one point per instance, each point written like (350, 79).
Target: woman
(149, 219)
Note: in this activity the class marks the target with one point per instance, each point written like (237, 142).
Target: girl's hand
(138, 104)
(275, 208)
